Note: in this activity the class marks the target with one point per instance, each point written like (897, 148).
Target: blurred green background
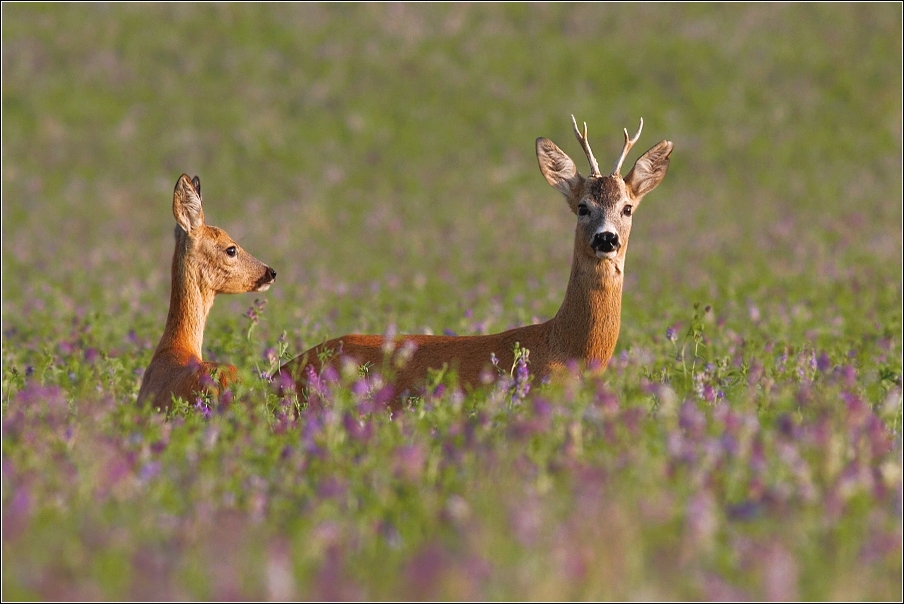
(381, 158)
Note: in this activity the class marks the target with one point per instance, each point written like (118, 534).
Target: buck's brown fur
(206, 262)
(585, 329)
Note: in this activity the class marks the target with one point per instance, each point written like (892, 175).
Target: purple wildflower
(329, 375)
(384, 396)
(606, 400)
(716, 588)
(754, 312)
(698, 385)
(745, 510)
(283, 383)
(254, 311)
(729, 445)
(780, 574)
(782, 359)
(410, 461)
(526, 521)
(357, 429)
(671, 333)
(701, 517)
(692, 420)
(309, 433)
(360, 388)
(317, 389)
(202, 406)
(786, 426)
(206, 381)
(521, 385)
(757, 461)
(331, 488)
(879, 546)
(542, 408)
(848, 375)
(632, 418)
(149, 471)
(425, 571)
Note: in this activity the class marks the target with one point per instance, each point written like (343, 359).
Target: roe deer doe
(586, 326)
(206, 262)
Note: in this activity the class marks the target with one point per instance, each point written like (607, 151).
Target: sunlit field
(744, 442)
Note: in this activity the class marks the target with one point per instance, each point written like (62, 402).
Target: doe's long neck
(190, 303)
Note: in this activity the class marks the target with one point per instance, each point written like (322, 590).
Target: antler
(629, 142)
(582, 138)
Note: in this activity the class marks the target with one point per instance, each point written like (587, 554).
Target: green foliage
(745, 442)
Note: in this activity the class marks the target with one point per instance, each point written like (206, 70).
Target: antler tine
(582, 138)
(629, 142)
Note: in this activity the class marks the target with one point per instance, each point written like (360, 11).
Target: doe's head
(604, 204)
(206, 254)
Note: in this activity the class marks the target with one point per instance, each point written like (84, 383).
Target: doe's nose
(271, 274)
(605, 242)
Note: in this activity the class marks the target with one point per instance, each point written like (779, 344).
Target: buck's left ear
(649, 170)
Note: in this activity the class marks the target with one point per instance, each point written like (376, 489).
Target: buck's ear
(649, 170)
(557, 168)
(187, 203)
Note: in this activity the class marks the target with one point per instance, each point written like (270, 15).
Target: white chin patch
(606, 255)
(263, 287)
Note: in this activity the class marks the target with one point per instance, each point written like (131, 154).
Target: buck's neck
(587, 324)
(190, 304)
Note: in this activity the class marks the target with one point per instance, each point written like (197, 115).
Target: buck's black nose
(605, 242)
(271, 274)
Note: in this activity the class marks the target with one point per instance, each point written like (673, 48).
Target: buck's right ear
(187, 203)
(557, 168)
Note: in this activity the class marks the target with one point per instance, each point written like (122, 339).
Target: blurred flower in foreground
(671, 333)
(409, 461)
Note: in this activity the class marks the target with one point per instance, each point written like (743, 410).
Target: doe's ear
(649, 169)
(557, 167)
(187, 208)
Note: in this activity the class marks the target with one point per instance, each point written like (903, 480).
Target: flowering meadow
(744, 443)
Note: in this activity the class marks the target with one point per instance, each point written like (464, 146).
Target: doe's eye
(628, 209)
(231, 251)
(583, 211)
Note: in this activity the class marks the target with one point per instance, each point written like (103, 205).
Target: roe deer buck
(586, 326)
(206, 262)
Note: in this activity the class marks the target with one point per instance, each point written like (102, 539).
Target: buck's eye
(583, 211)
(231, 251)
(628, 209)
